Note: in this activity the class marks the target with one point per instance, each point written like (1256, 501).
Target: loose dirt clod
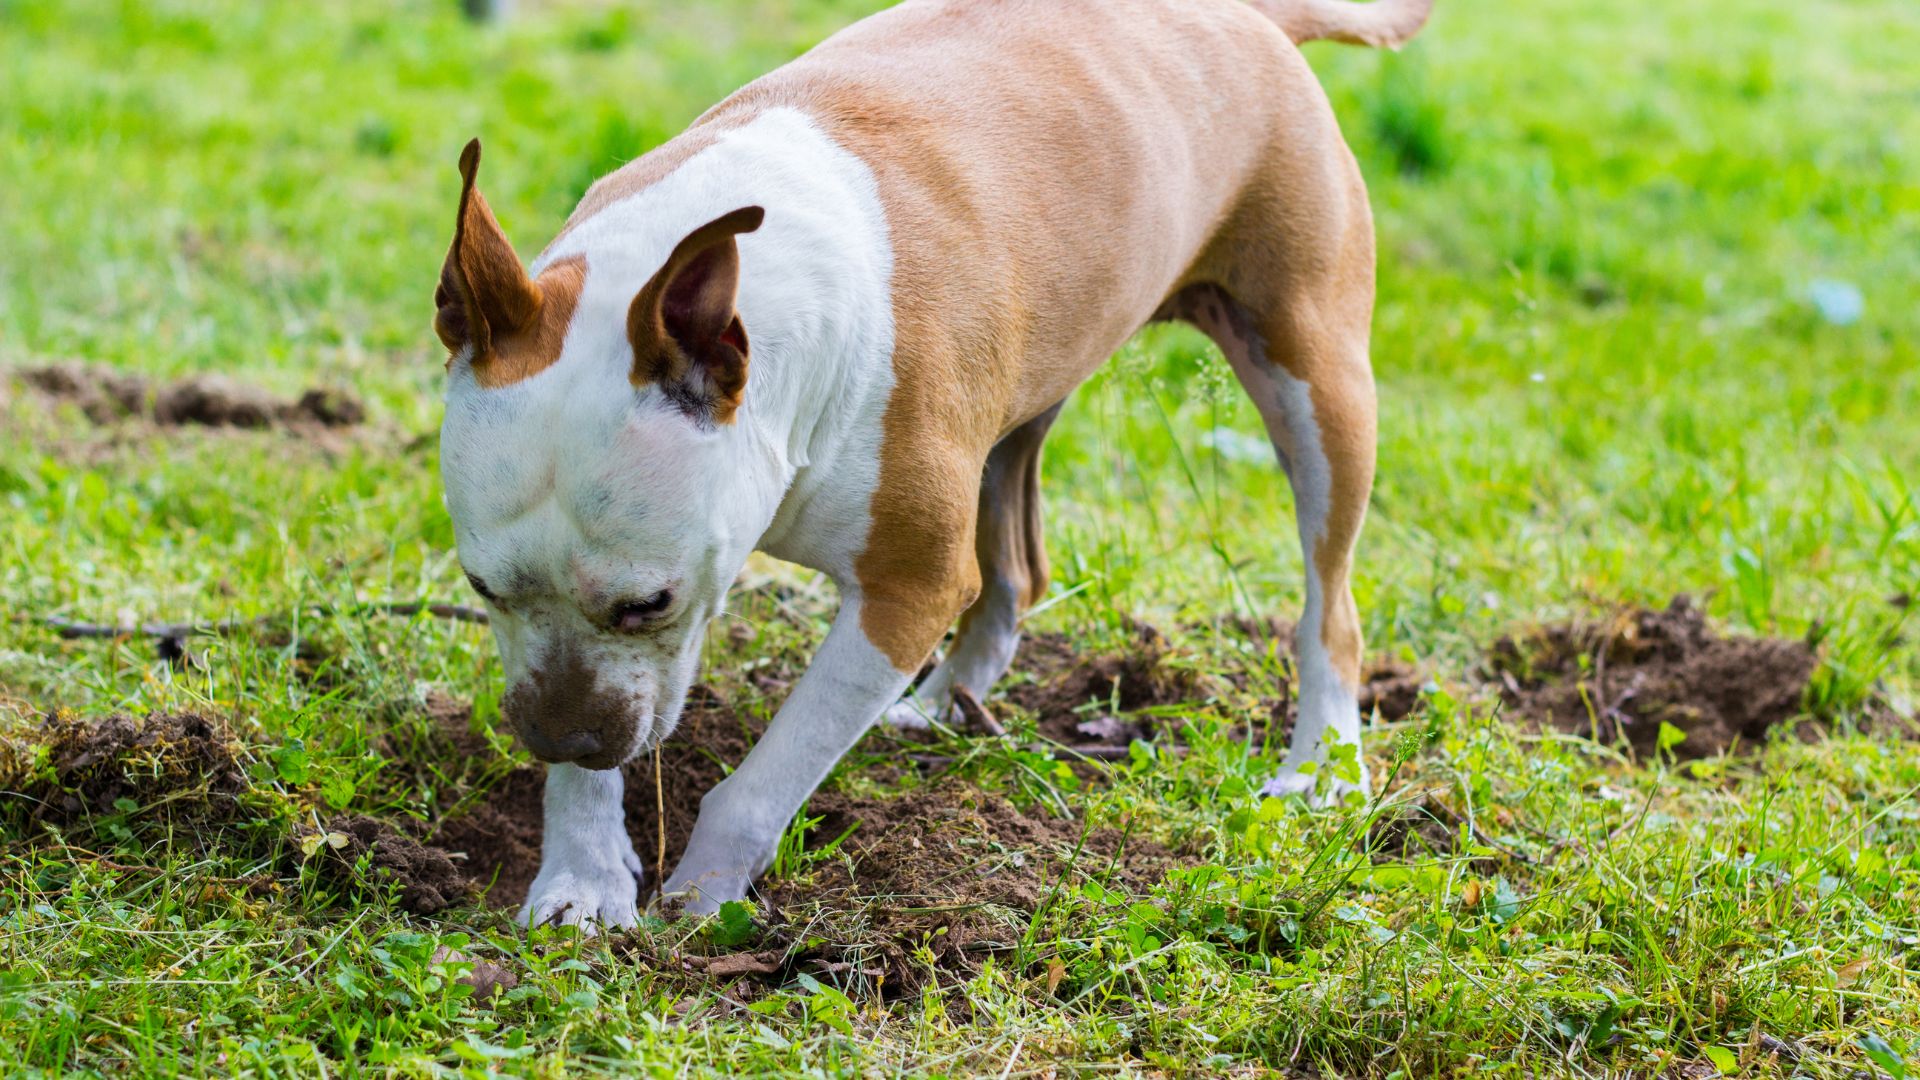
(377, 853)
(182, 765)
(1392, 689)
(1625, 676)
(109, 395)
(1081, 700)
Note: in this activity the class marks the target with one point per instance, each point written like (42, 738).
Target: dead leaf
(1106, 728)
(487, 979)
(733, 965)
(1056, 971)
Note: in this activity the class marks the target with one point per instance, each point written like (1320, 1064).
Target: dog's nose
(572, 746)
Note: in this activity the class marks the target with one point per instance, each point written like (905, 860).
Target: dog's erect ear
(686, 334)
(484, 292)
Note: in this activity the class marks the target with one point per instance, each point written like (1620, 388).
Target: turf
(1607, 377)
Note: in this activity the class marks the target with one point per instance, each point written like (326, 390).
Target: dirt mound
(181, 766)
(1391, 688)
(931, 882)
(357, 849)
(1623, 677)
(109, 395)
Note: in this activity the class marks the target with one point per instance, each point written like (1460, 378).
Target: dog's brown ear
(484, 292)
(687, 336)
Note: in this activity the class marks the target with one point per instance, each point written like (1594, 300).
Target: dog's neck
(814, 289)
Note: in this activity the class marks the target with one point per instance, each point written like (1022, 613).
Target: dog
(833, 321)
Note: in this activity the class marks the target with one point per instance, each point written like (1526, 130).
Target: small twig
(172, 637)
(1786, 1048)
(733, 965)
(660, 819)
(74, 628)
(453, 612)
(979, 720)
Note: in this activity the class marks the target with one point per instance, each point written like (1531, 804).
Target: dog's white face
(601, 496)
(598, 529)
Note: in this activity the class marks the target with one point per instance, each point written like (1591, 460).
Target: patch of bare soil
(1624, 676)
(183, 766)
(946, 868)
(1107, 699)
(109, 395)
(497, 839)
(1080, 699)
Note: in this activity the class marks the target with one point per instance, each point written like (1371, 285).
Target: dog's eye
(480, 587)
(635, 614)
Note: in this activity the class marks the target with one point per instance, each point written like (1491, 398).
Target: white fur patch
(589, 873)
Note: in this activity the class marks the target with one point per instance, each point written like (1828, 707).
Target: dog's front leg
(742, 818)
(589, 872)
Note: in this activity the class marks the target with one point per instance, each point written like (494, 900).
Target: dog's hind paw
(1291, 784)
(911, 714)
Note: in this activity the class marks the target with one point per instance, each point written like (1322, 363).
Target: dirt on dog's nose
(563, 713)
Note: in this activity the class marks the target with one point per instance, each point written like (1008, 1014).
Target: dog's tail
(1382, 23)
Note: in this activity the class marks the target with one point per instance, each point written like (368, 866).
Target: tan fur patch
(514, 325)
(527, 351)
(1089, 160)
(1024, 155)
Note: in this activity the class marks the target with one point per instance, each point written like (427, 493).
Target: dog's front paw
(1291, 783)
(575, 889)
(702, 894)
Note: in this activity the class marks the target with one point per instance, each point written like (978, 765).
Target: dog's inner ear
(486, 301)
(686, 333)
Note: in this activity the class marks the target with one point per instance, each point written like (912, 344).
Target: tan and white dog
(833, 321)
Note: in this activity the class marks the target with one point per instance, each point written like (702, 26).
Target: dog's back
(1083, 154)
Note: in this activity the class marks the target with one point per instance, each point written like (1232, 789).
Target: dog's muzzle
(563, 714)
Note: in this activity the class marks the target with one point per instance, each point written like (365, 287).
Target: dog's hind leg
(1013, 572)
(1303, 359)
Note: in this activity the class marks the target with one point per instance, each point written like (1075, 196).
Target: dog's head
(592, 471)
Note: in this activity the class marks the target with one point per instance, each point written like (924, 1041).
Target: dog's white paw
(1290, 783)
(913, 714)
(702, 894)
(593, 892)
(906, 715)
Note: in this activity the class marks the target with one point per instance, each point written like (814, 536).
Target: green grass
(1602, 381)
